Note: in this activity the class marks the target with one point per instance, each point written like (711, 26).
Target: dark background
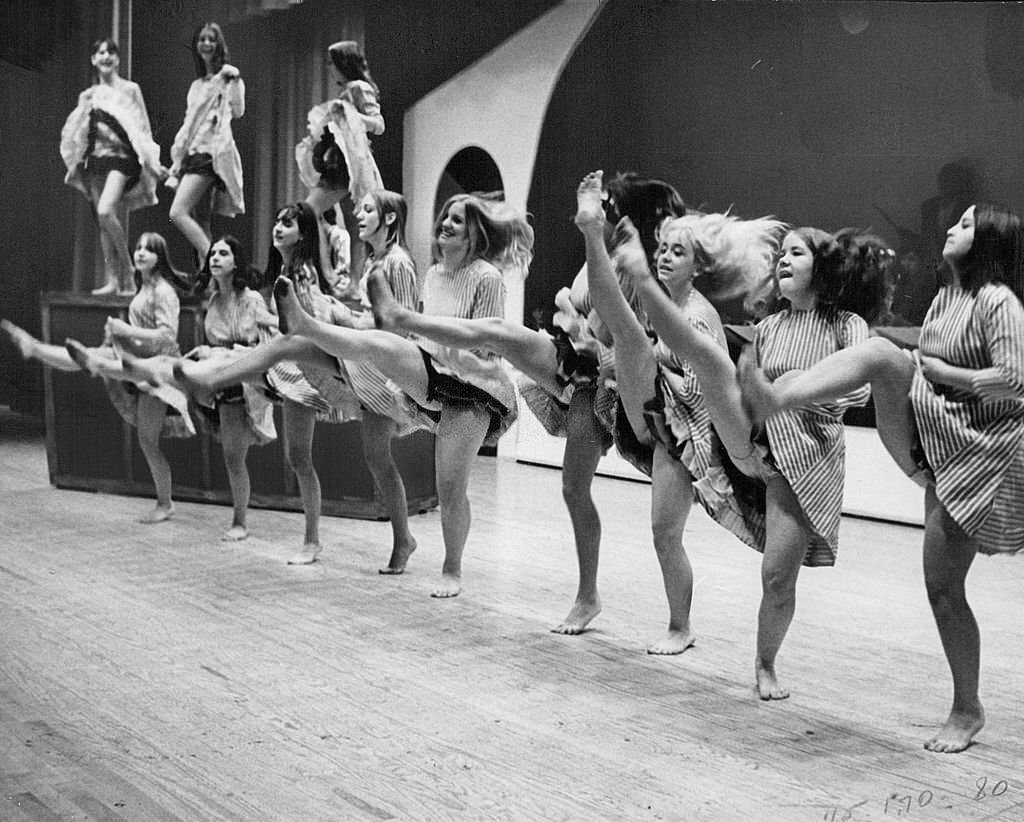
(820, 113)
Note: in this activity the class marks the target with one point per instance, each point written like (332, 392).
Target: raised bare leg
(877, 361)
(948, 554)
(395, 356)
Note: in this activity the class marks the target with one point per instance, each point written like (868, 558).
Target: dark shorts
(100, 167)
(201, 164)
(451, 390)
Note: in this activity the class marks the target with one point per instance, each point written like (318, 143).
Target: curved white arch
(497, 104)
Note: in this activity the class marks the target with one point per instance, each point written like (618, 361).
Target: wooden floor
(155, 673)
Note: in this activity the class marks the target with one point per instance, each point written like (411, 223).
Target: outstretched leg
(530, 351)
(877, 361)
(709, 361)
(378, 433)
(395, 356)
(583, 448)
(948, 554)
(784, 549)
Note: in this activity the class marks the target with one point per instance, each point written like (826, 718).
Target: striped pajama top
(975, 447)
(807, 444)
(476, 290)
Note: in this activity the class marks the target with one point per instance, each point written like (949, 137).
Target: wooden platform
(155, 673)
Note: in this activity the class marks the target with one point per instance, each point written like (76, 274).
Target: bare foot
(196, 381)
(307, 554)
(759, 398)
(958, 732)
(451, 586)
(144, 369)
(674, 642)
(159, 514)
(291, 317)
(104, 290)
(387, 312)
(768, 686)
(579, 617)
(82, 356)
(399, 557)
(589, 212)
(24, 341)
(236, 533)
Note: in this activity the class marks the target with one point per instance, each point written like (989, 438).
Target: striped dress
(476, 290)
(233, 325)
(155, 305)
(678, 417)
(807, 444)
(976, 448)
(360, 381)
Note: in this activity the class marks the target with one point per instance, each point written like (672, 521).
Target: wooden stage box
(89, 447)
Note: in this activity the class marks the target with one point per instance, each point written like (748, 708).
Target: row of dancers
(108, 149)
(637, 357)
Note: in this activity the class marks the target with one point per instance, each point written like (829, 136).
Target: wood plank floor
(155, 673)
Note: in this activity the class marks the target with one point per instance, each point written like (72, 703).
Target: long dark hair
(307, 249)
(852, 270)
(241, 278)
(997, 253)
(349, 60)
(647, 202)
(220, 54)
(158, 245)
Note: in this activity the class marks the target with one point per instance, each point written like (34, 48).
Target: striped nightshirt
(473, 291)
(807, 444)
(975, 447)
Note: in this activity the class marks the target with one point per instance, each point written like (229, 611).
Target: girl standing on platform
(341, 390)
(833, 285)
(952, 417)
(237, 318)
(565, 376)
(204, 155)
(663, 425)
(471, 391)
(335, 159)
(152, 330)
(107, 146)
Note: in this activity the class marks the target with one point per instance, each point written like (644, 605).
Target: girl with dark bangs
(204, 156)
(107, 146)
(952, 417)
(151, 331)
